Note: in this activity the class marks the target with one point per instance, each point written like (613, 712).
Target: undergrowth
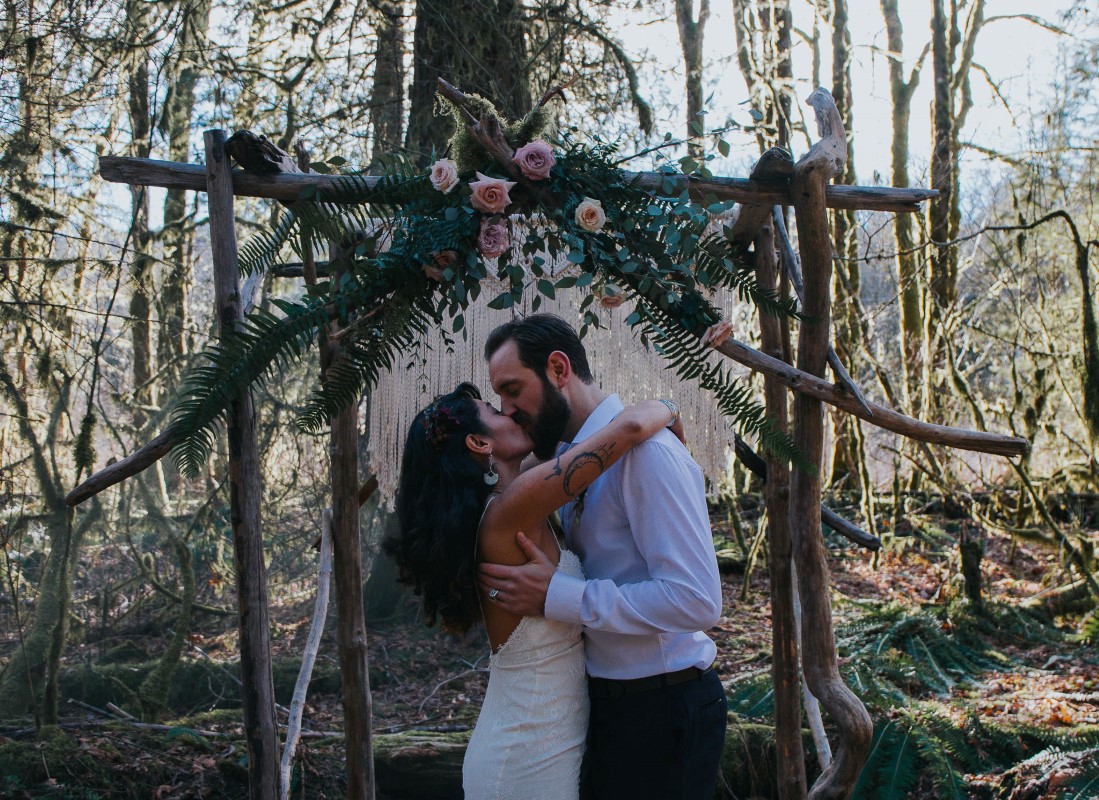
(904, 663)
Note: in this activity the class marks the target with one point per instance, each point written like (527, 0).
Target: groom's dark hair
(536, 337)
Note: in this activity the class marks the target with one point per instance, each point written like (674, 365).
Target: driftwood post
(754, 225)
(818, 642)
(260, 731)
(343, 465)
(789, 753)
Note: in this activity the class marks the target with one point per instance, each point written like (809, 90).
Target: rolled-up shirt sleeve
(662, 493)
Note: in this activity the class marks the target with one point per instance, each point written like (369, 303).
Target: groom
(658, 710)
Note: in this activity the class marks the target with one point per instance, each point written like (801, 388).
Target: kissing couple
(601, 681)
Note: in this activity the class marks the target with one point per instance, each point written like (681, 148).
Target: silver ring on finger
(493, 594)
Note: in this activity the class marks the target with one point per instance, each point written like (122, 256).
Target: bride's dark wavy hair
(440, 498)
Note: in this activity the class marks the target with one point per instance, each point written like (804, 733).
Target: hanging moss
(468, 153)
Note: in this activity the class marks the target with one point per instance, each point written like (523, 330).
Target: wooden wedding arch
(792, 494)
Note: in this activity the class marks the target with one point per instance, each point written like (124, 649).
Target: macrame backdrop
(619, 362)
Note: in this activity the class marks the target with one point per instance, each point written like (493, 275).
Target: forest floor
(1021, 695)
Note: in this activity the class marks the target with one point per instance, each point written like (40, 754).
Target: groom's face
(529, 398)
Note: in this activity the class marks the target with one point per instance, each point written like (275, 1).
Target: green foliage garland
(653, 248)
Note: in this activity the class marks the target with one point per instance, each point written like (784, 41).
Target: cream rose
(611, 296)
(494, 239)
(490, 195)
(590, 216)
(535, 160)
(444, 175)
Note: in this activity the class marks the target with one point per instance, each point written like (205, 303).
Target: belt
(609, 687)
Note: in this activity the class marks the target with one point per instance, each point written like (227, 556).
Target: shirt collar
(600, 418)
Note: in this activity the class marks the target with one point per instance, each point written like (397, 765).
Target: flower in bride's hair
(444, 175)
(490, 195)
(535, 160)
(590, 216)
(494, 239)
(610, 296)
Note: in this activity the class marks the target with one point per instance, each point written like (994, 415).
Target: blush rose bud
(494, 240)
(535, 160)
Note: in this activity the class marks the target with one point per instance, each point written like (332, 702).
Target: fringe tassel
(619, 361)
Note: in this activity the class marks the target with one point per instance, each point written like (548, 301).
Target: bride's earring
(491, 477)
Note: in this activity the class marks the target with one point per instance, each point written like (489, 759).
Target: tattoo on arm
(572, 479)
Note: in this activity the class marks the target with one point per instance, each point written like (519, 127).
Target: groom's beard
(548, 425)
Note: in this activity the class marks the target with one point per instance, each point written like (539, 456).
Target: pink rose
(535, 160)
(494, 240)
(590, 215)
(490, 195)
(611, 296)
(442, 260)
(444, 175)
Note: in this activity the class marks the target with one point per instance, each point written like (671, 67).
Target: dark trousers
(663, 743)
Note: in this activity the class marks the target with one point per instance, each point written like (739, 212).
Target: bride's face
(509, 440)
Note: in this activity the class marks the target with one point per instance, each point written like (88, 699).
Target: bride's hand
(717, 334)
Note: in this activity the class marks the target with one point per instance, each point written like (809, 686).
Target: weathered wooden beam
(287, 187)
(812, 173)
(816, 387)
(245, 490)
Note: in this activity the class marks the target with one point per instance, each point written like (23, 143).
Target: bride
(462, 496)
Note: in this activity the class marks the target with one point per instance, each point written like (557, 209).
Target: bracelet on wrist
(674, 408)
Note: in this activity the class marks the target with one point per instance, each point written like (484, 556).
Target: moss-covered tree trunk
(136, 33)
(480, 46)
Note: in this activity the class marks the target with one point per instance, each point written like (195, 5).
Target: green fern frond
(752, 697)
(373, 348)
(720, 261)
(890, 769)
(261, 252)
(265, 344)
(691, 362)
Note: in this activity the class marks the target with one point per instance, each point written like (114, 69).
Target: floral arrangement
(447, 226)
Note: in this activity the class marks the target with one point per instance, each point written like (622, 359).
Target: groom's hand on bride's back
(522, 589)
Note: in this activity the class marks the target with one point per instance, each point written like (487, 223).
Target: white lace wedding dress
(529, 738)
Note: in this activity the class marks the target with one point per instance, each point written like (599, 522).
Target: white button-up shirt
(643, 535)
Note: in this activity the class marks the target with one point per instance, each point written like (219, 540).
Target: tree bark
(849, 456)
(287, 187)
(691, 33)
(387, 94)
(245, 490)
(941, 279)
(175, 124)
(762, 31)
(141, 262)
(824, 160)
(911, 276)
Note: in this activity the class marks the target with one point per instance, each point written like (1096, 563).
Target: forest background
(979, 312)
